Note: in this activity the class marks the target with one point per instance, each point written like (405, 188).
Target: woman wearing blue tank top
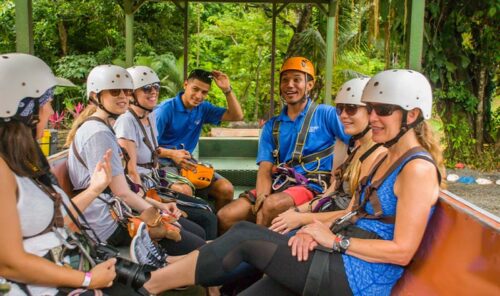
(365, 252)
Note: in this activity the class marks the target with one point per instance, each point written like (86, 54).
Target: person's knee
(182, 188)
(275, 204)
(225, 189)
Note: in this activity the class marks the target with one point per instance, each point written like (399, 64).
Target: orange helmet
(299, 64)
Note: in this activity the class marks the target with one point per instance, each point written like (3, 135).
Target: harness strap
(371, 190)
(302, 137)
(297, 157)
(151, 146)
(313, 157)
(317, 271)
(276, 133)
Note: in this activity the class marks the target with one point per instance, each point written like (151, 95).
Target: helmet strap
(135, 102)
(101, 106)
(405, 127)
(358, 136)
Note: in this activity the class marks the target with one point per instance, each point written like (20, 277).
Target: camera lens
(132, 274)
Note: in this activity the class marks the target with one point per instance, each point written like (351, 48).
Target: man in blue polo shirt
(180, 119)
(278, 188)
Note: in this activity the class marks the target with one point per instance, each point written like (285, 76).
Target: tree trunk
(302, 24)
(387, 40)
(480, 110)
(63, 37)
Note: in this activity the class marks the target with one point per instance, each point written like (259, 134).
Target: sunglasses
(116, 92)
(350, 109)
(382, 109)
(147, 89)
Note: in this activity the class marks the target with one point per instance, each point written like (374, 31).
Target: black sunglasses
(350, 109)
(116, 92)
(147, 89)
(382, 109)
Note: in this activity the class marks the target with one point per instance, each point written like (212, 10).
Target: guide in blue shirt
(296, 151)
(180, 120)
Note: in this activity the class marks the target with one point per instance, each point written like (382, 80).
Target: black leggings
(206, 219)
(193, 237)
(267, 251)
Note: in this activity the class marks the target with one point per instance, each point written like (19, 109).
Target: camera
(128, 273)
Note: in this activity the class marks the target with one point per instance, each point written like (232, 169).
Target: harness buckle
(275, 153)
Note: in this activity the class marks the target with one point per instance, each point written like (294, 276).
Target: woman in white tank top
(31, 223)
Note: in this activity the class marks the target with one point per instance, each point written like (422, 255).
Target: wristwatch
(228, 91)
(344, 244)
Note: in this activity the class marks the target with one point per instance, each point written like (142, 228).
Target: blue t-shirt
(324, 128)
(180, 128)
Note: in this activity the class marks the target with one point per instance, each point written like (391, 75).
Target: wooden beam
(24, 26)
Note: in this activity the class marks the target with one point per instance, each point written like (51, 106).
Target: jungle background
(460, 55)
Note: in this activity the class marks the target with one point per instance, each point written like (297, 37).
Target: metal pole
(273, 61)
(186, 36)
(129, 39)
(414, 60)
(24, 26)
(330, 47)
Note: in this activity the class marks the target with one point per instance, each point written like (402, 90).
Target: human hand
(182, 158)
(320, 232)
(301, 244)
(103, 274)
(171, 209)
(102, 175)
(222, 80)
(286, 221)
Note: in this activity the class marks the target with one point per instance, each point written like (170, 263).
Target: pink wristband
(86, 280)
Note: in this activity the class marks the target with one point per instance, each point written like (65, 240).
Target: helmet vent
(5, 57)
(418, 98)
(380, 92)
(376, 83)
(348, 89)
(8, 111)
(144, 73)
(23, 84)
(410, 71)
(394, 70)
(117, 75)
(37, 91)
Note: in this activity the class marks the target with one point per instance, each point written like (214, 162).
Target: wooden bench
(459, 255)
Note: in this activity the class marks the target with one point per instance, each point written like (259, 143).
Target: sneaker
(144, 251)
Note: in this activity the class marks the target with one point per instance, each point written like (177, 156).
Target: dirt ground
(484, 196)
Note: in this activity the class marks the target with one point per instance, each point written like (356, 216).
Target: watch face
(344, 243)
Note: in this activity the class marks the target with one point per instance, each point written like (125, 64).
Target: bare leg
(238, 210)
(223, 192)
(182, 188)
(178, 274)
(274, 205)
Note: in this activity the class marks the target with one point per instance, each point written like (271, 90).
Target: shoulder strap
(302, 137)
(371, 190)
(276, 136)
(151, 146)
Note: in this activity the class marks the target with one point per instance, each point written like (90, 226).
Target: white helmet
(142, 75)
(351, 91)
(21, 76)
(108, 77)
(408, 89)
